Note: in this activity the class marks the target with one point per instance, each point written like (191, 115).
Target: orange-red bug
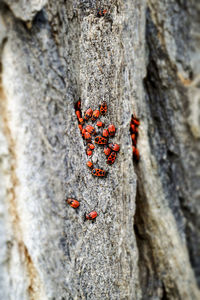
(80, 127)
(88, 113)
(105, 133)
(135, 120)
(87, 136)
(81, 121)
(103, 108)
(111, 130)
(89, 152)
(100, 140)
(102, 12)
(134, 138)
(100, 124)
(132, 128)
(78, 114)
(136, 153)
(83, 132)
(107, 150)
(73, 202)
(111, 158)
(95, 115)
(91, 216)
(90, 129)
(91, 146)
(78, 105)
(98, 172)
(90, 164)
(114, 147)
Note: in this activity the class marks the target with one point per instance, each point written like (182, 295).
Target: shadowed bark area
(142, 57)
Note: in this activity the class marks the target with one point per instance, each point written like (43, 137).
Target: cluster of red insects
(87, 132)
(134, 124)
(110, 149)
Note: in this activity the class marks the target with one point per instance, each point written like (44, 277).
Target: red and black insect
(77, 105)
(111, 158)
(98, 172)
(95, 115)
(103, 108)
(136, 154)
(81, 121)
(91, 216)
(132, 128)
(73, 202)
(90, 164)
(90, 129)
(80, 127)
(105, 133)
(135, 120)
(89, 152)
(134, 138)
(91, 146)
(88, 114)
(100, 124)
(101, 13)
(83, 132)
(107, 150)
(114, 147)
(100, 140)
(111, 130)
(78, 114)
(87, 136)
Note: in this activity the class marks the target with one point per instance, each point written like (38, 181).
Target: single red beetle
(100, 140)
(90, 129)
(88, 113)
(83, 132)
(89, 152)
(91, 216)
(136, 153)
(98, 172)
(100, 124)
(111, 158)
(80, 127)
(90, 164)
(103, 108)
(114, 147)
(91, 146)
(134, 138)
(107, 150)
(95, 115)
(102, 12)
(105, 133)
(111, 130)
(87, 136)
(73, 202)
(78, 114)
(81, 121)
(78, 105)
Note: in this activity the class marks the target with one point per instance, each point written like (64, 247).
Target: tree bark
(142, 57)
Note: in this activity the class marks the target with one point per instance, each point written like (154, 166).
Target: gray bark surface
(142, 57)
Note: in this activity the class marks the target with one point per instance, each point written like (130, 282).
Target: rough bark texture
(142, 57)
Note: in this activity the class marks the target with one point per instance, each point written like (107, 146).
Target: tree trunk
(140, 57)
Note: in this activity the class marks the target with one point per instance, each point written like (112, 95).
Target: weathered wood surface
(144, 58)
